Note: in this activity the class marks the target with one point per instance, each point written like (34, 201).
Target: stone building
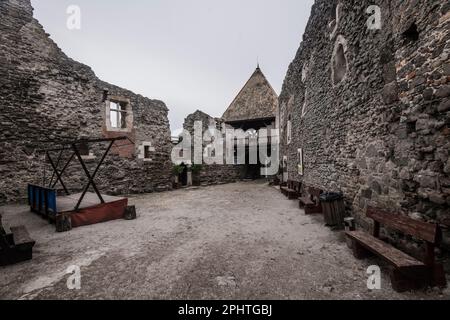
(47, 97)
(365, 107)
(255, 105)
(253, 108)
(212, 173)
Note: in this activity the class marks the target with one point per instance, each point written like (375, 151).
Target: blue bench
(42, 200)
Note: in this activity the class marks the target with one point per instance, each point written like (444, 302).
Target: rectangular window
(289, 130)
(118, 115)
(147, 152)
(285, 169)
(300, 162)
(83, 149)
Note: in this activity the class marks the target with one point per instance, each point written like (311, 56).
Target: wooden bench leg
(438, 276)
(359, 252)
(130, 213)
(312, 209)
(63, 222)
(418, 279)
(415, 279)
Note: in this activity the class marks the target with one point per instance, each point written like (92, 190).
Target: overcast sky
(192, 54)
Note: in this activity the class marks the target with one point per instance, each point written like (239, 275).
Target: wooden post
(359, 252)
(63, 222)
(430, 255)
(376, 229)
(130, 213)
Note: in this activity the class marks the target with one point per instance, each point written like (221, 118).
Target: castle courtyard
(237, 241)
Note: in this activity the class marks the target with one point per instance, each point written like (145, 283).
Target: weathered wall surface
(46, 96)
(218, 174)
(371, 108)
(199, 116)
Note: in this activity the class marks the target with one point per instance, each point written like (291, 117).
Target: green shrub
(177, 170)
(196, 168)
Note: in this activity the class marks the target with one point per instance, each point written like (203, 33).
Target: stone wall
(48, 97)
(219, 174)
(370, 107)
(197, 116)
(212, 174)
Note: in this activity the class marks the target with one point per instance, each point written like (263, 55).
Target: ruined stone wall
(46, 97)
(212, 174)
(370, 108)
(219, 174)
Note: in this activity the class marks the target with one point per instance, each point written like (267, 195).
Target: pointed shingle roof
(256, 100)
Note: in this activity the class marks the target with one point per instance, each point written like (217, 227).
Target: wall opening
(85, 153)
(339, 63)
(411, 34)
(83, 149)
(145, 151)
(147, 154)
(289, 130)
(334, 12)
(411, 127)
(283, 111)
(119, 115)
(105, 95)
(285, 169)
(300, 162)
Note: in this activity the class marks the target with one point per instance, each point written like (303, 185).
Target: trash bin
(333, 208)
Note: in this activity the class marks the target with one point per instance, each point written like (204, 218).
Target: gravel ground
(236, 241)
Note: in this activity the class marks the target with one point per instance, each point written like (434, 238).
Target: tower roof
(256, 100)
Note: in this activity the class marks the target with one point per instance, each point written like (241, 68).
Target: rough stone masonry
(253, 108)
(370, 108)
(46, 97)
(216, 173)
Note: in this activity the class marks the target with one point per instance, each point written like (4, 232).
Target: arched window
(339, 60)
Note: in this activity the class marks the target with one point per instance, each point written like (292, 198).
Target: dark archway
(184, 175)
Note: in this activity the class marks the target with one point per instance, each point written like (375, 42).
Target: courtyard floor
(236, 241)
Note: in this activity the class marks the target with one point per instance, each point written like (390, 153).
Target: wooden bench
(406, 272)
(292, 190)
(311, 202)
(284, 187)
(15, 246)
